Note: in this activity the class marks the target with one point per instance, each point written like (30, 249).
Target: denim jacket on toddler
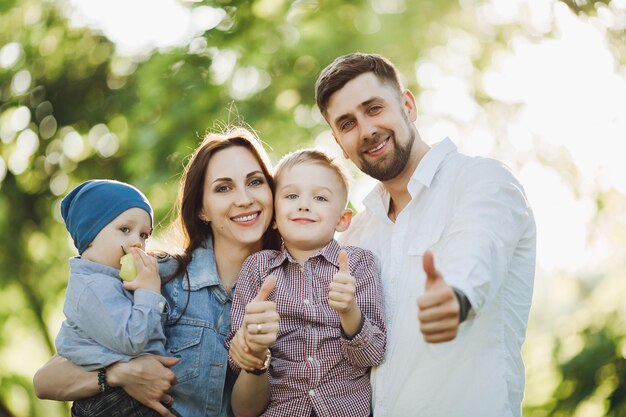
(204, 380)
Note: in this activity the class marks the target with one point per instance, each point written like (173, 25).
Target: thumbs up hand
(261, 321)
(438, 307)
(342, 297)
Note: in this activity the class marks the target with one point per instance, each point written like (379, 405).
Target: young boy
(329, 298)
(105, 322)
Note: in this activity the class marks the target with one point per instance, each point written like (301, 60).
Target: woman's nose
(244, 198)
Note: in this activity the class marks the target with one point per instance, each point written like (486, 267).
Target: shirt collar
(330, 252)
(202, 268)
(378, 199)
(84, 266)
(430, 163)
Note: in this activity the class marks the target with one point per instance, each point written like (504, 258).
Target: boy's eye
(320, 198)
(145, 235)
(291, 196)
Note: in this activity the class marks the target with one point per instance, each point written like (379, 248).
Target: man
(471, 214)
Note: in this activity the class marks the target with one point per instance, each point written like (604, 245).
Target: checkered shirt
(314, 365)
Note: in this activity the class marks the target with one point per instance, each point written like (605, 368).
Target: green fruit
(128, 271)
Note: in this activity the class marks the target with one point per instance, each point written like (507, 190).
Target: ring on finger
(259, 328)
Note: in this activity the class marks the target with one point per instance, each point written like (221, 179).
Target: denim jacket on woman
(204, 381)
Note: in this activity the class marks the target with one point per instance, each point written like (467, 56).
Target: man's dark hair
(348, 67)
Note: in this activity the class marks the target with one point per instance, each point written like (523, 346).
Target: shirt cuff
(361, 338)
(149, 298)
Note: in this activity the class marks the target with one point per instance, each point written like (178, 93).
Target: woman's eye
(222, 189)
(257, 181)
(124, 229)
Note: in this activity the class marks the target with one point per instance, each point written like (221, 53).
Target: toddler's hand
(147, 273)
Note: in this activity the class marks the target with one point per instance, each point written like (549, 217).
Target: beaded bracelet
(102, 380)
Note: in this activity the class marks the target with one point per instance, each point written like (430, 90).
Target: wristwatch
(265, 367)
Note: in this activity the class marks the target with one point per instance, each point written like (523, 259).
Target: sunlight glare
(139, 26)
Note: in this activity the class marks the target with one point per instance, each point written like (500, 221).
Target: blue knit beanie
(92, 205)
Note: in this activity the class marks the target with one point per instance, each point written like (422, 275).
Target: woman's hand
(241, 355)
(261, 321)
(147, 379)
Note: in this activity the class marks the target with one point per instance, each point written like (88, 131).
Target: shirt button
(312, 393)
(306, 301)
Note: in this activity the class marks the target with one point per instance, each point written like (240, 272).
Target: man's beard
(385, 171)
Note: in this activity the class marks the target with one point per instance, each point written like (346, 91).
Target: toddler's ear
(344, 221)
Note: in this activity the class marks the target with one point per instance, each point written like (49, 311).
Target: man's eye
(347, 125)
(375, 109)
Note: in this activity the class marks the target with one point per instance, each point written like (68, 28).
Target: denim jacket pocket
(186, 345)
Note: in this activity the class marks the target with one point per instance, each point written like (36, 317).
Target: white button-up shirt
(473, 214)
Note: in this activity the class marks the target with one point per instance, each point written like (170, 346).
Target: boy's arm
(366, 347)
(342, 298)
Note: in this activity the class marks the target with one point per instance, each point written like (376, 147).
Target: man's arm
(490, 216)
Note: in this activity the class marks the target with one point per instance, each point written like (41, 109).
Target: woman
(225, 207)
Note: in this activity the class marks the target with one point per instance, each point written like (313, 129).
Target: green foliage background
(92, 113)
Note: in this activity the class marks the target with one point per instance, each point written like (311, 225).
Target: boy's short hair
(92, 205)
(313, 156)
(347, 67)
